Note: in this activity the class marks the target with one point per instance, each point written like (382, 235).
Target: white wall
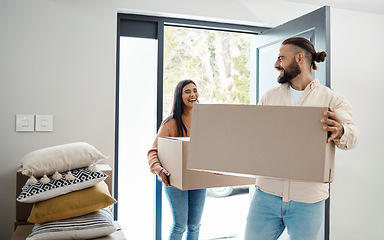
(58, 57)
(357, 72)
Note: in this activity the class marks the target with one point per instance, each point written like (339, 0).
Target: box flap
(173, 154)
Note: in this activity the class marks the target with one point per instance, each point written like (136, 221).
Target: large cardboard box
(272, 141)
(173, 154)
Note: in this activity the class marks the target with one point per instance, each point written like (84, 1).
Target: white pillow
(84, 178)
(60, 158)
(92, 225)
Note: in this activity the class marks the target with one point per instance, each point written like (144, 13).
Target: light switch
(44, 123)
(25, 123)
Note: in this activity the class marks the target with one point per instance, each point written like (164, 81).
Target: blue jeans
(269, 215)
(187, 209)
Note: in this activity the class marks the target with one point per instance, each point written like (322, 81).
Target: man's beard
(292, 71)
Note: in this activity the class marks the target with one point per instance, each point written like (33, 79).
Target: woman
(186, 206)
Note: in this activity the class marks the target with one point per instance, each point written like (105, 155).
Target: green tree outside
(217, 61)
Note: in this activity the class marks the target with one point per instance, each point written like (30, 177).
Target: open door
(315, 26)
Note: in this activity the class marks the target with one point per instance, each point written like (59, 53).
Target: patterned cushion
(84, 178)
(92, 225)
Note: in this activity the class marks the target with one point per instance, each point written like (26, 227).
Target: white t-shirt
(295, 95)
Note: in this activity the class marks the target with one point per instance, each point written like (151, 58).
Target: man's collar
(313, 84)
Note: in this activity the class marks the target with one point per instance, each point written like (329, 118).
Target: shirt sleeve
(153, 159)
(351, 134)
(262, 100)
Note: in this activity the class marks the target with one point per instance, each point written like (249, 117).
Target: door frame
(153, 27)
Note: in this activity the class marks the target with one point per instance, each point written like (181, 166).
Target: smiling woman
(186, 206)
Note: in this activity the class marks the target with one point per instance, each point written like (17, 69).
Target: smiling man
(284, 203)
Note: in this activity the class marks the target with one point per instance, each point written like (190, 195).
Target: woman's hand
(163, 177)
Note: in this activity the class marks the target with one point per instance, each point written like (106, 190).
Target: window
(137, 97)
(219, 62)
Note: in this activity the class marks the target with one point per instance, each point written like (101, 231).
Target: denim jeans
(269, 215)
(187, 209)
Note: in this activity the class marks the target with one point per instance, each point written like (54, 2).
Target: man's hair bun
(320, 56)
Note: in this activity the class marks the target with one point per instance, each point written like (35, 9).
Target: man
(299, 205)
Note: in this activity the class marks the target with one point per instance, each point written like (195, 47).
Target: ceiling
(371, 6)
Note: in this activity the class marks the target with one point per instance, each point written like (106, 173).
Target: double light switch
(30, 123)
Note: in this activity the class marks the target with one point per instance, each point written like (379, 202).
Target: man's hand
(332, 124)
(163, 177)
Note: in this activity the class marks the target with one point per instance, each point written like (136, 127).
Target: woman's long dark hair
(178, 107)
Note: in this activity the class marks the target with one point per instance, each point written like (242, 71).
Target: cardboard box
(272, 141)
(173, 154)
(24, 209)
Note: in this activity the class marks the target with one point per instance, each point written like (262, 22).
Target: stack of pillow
(71, 199)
